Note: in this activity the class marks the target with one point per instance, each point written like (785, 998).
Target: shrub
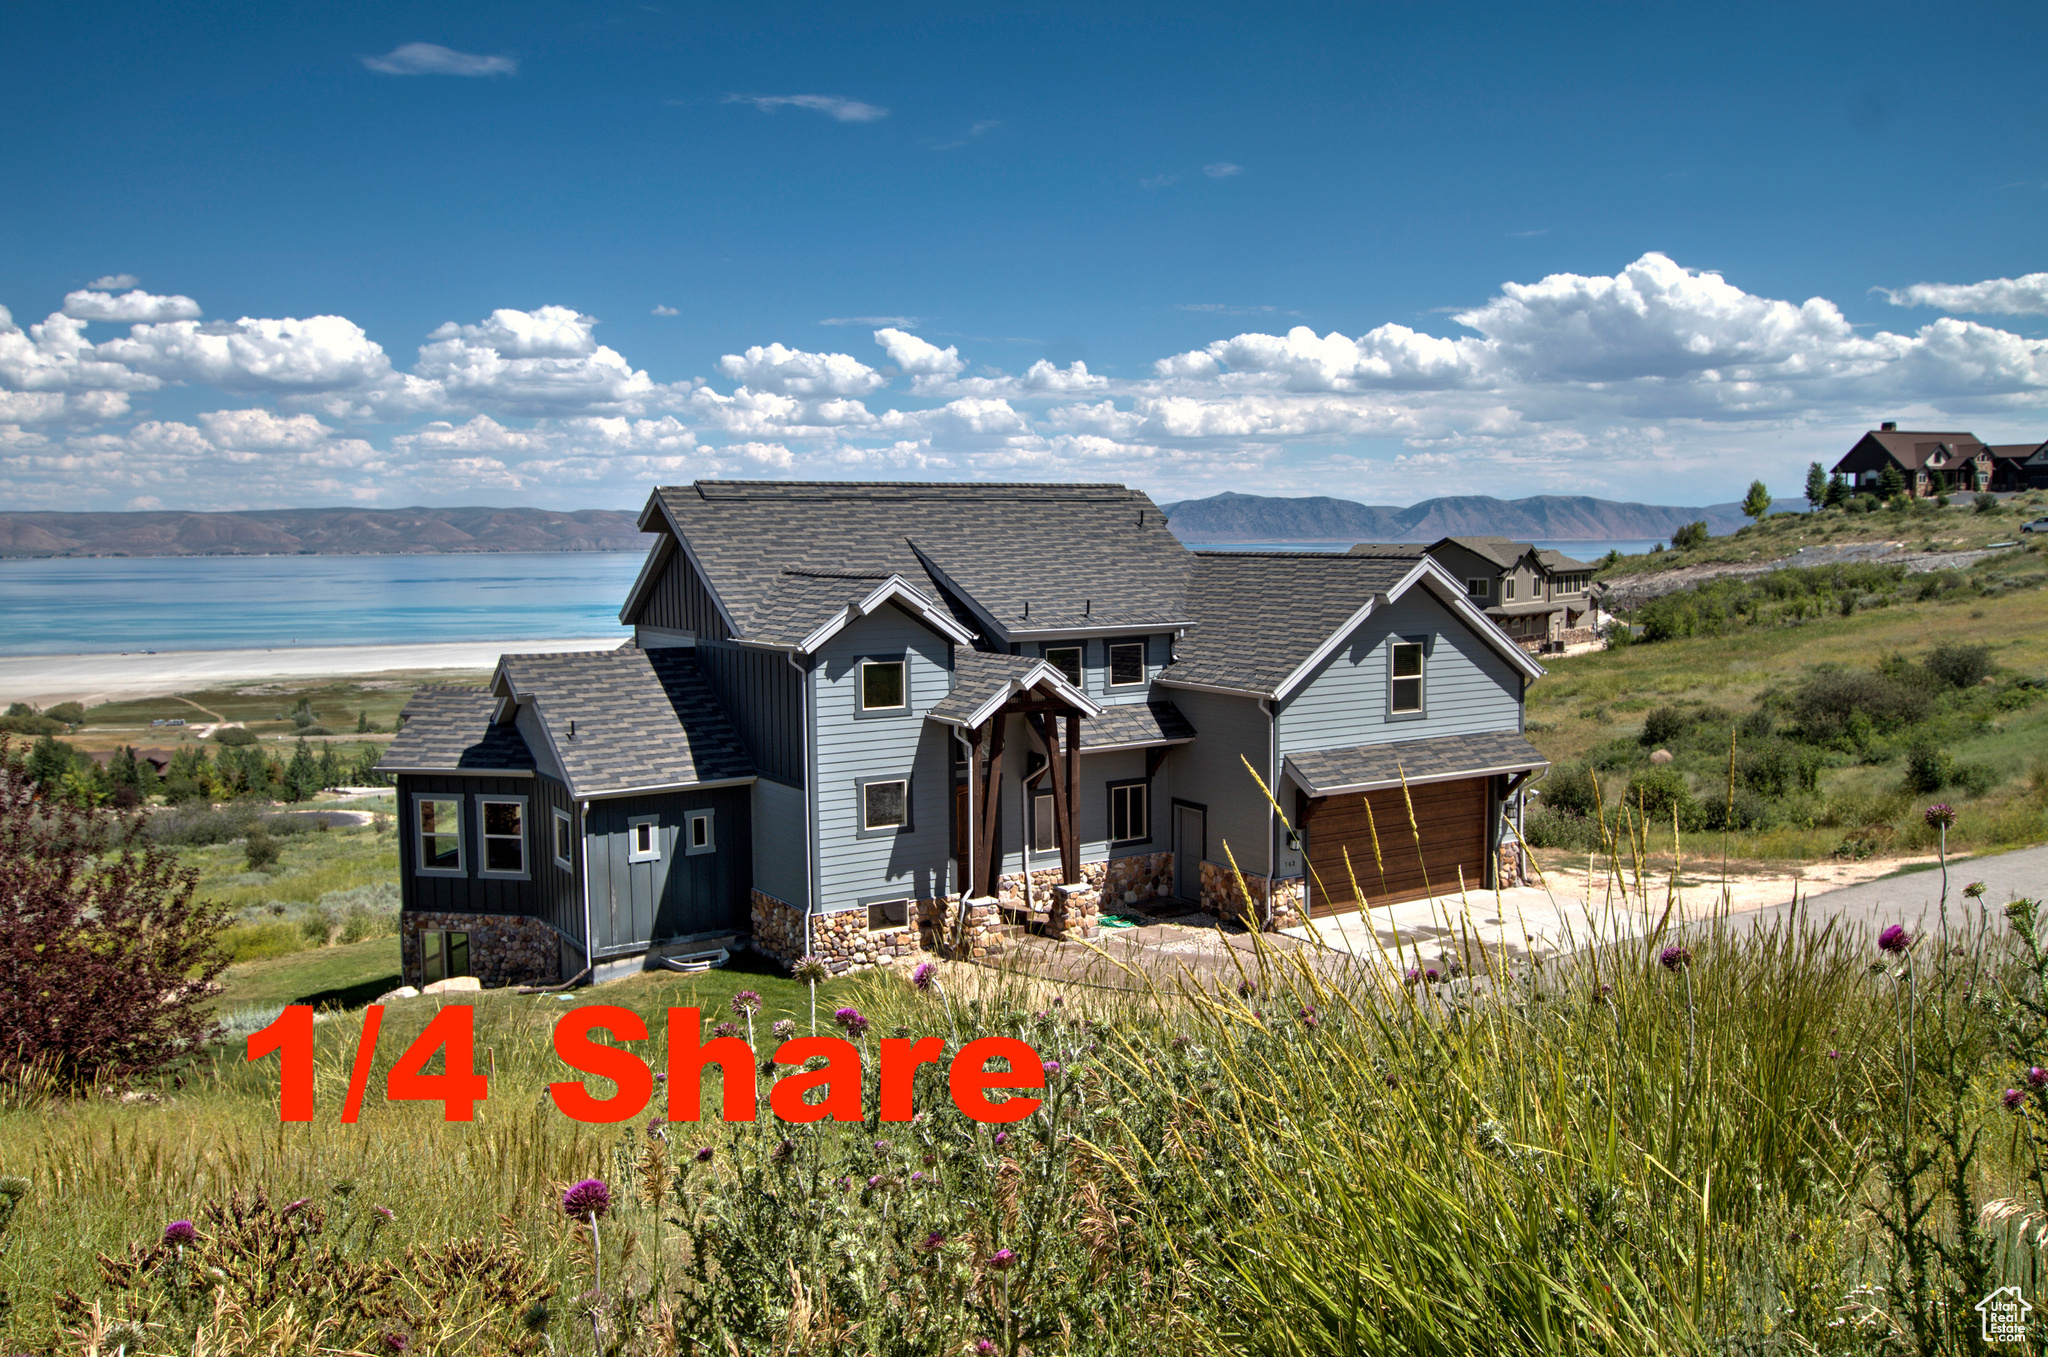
(1774, 769)
(70, 713)
(234, 735)
(1746, 810)
(1928, 767)
(1985, 504)
(317, 927)
(1545, 827)
(1570, 789)
(1978, 779)
(1826, 703)
(109, 954)
(1689, 536)
(260, 851)
(1657, 792)
(1664, 725)
(259, 941)
(1959, 664)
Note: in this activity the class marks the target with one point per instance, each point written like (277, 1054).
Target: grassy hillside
(1752, 660)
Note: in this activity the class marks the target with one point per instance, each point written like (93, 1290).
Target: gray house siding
(1210, 772)
(680, 602)
(471, 892)
(780, 858)
(561, 890)
(1095, 664)
(851, 746)
(635, 903)
(764, 697)
(1468, 687)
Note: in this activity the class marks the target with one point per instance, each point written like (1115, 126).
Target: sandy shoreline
(44, 679)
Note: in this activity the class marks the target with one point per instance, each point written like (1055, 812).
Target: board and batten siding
(849, 747)
(679, 601)
(471, 893)
(1468, 686)
(781, 857)
(764, 696)
(561, 889)
(633, 904)
(1211, 773)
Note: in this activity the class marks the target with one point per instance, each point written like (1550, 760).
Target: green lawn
(345, 976)
(263, 707)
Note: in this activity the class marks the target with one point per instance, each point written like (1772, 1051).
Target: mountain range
(1231, 517)
(328, 532)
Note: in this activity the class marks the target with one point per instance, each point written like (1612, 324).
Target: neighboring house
(862, 720)
(2019, 466)
(1536, 595)
(1929, 463)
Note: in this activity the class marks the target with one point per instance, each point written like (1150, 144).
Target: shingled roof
(1007, 560)
(449, 730)
(627, 719)
(1261, 614)
(1368, 767)
(1128, 725)
(982, 678)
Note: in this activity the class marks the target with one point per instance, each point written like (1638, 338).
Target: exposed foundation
(504, 949)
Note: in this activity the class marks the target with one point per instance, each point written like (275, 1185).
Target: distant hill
(1231, 517)
(325, 532)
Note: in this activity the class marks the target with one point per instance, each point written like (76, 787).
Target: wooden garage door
(1451, 818)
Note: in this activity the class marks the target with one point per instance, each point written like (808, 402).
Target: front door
(1190, 841)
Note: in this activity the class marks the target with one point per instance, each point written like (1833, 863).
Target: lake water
(94, 605)
(1578, 551)
(98, 604)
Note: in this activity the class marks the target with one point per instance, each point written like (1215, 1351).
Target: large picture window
(1126, 664)
(502, 825)
(885, 806)
(439, 819)
(1130, 812)
(1405, 694)
(882, 686)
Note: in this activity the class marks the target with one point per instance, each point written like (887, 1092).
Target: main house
(1535, 594)
(1935, 463)
(860, 721)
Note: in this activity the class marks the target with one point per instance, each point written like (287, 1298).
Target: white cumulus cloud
(430, 58)
(129, 307)
(831, 105)
(2023, 296)
(796, 372)
(259, 430)
(114, 282)
(319, 353)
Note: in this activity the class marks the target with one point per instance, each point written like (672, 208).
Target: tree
(302, 774)
(1838, 490)
(1816, 485)
(48, 761)
(330, 768)
(70, 713)
(1689, 536)
(109, 957)
(363, 726)
(1757, 502)
(1892, 483)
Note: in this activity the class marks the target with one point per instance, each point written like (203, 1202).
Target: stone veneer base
(504, 949)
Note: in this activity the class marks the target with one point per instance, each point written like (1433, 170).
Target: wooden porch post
(987, 840)
(1072, 858)
(1060, 770)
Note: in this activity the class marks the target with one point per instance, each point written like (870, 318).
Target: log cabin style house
(864, 721)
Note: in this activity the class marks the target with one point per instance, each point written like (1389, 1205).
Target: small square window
(1045, 826)
(1129, 820)
(886, 914)
(1126, 664)
(565, 841)
(700, 839)
(1407, 683)
(885, 805)
(440, 827)
(1066, 659)
(504, 834)
(643, 839)
(881, 685)
(1475, 588)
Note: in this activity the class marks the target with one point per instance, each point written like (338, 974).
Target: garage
(1457, 786)
(1448, 838)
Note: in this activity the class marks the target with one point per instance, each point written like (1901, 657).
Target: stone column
(1075, 912)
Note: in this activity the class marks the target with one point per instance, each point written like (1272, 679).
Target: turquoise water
(91, 606)
(1578, 551)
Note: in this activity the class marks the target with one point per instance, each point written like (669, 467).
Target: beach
(45, 679)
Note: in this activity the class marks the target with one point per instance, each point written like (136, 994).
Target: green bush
(1690, 536)
(257, 941)
(1978, 779)
(1774, 769)
(1657, 792)
(1546, 827)
(1985, 504)
(1959, 664)
(1664, 725)
(234, 735)
(317, 927)
(1569, 789)
(260, 850)
(1928, 767)
(1827, 703)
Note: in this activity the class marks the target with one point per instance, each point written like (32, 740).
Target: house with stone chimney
(867, 721)
(1933, 464)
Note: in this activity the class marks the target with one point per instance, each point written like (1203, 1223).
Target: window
(440, 825)
(1130, 819)
(503, 826)
(887, 914)
(1045, 827)
(1475, 589)
(1507, 589)
(643, 838)
(565, 841)
(700, 838)
(1406, 695)
(885, 806)
(442, 955)
(1126, 664)
(881, 685)
(1066, 659)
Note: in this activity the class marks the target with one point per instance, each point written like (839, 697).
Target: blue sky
(551, 254)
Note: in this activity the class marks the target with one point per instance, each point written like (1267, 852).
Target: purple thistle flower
(916, 1176)
(661, 1076)
(293, 1208)
(851, 1020)
(1001, 1259)
(933, 1240)
(1894, 939)
(1940, 815)
(746, 1002)
(397, 1342)
(657, 1129)
(587, 1200)
(1675, 958)
(386, 1213)
(181, 1233)
(1001, 1137)
(1432, 975)
(2038, 1077)
(1412, 976)
(2013, 1098)
(982, 1347)
(1246, 989)
(875, 1181)
(784, 1029)
(726, 1029)
(704, 1155)
(1834, 1055)
(1052, 1067)
(1974, 890)
(1308, 1016)
(925, 975)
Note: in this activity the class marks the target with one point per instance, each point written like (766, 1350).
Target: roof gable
(452, 730)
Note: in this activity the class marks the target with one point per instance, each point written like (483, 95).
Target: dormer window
(1126, 664)
(1405, 693)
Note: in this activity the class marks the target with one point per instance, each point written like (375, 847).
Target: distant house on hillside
(1534, 595)
(861, 721)
(1938, 463)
